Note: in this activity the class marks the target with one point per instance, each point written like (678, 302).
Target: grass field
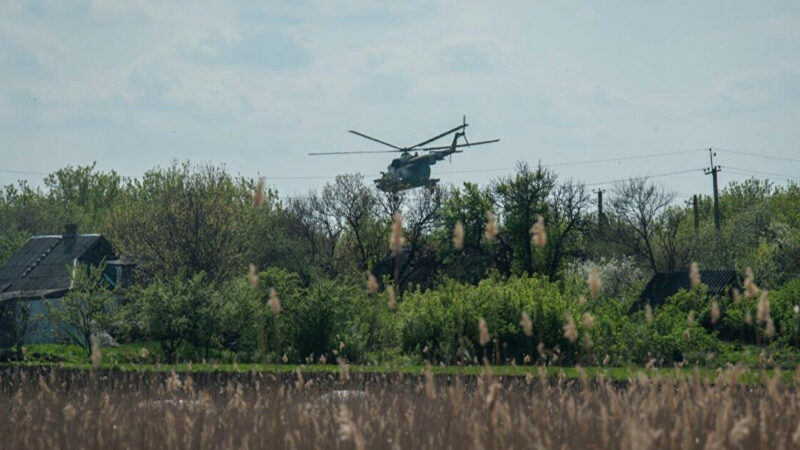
(127, 358)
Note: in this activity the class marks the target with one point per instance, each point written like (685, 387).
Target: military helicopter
(414, 170)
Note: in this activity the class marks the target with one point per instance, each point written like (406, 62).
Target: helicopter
(409, 170)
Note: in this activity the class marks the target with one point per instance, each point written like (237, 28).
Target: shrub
(445, 321)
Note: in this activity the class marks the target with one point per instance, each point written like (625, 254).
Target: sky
(137, 84)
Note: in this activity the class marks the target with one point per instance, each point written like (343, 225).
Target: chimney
(70, 230)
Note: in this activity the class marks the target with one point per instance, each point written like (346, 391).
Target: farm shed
(666, 284)
(40, 272)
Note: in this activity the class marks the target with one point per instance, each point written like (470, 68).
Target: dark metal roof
(41, 267)
(666, 284)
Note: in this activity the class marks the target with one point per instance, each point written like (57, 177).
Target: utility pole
(600, 209)
(696, 213)
(713, 171)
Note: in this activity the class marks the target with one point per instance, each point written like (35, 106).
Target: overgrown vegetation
(473, 275)
(102, 409)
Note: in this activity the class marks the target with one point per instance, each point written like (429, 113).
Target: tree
(16, 323)
(636, 208)
(83, 195)
(275, 240)
(566, 219)
(353, 202)
(672, 251)
(522, 198)
(175, 309)
(471, 206)
(185, 220)
(86, 309)
(421, 213)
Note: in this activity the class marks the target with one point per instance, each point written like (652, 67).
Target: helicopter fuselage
(406, 172)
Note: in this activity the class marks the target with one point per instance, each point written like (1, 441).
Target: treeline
(195, 230)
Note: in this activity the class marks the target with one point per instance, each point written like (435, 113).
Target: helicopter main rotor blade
(352, 153)
(414, 147)
(459, 145)
(373, 139)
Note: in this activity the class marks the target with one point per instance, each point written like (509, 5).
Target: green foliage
(86, 309)
(334, 319)
(445, 321)
(522, 198)
(193, 230)
(184, 220)
(471, 206)
(785, 311)
(176, 309)
(16, 322)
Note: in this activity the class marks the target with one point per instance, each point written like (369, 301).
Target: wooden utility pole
(696, 213)
(713, 170)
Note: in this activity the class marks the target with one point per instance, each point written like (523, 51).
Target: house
(40, 272)
(666, 284)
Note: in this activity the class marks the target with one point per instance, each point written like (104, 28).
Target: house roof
(40, 268)
(666, 284)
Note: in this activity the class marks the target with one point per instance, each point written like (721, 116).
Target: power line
(623, 158)
(757, 155)
(756, 172)
(578, 163)
(447, 172)
(23, 172)
(661, 175)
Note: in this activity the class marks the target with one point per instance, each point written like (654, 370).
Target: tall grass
(56, 408)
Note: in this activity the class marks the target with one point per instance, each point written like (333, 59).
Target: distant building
(40, 272)
(666, 284)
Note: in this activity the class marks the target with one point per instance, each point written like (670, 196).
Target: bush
(329, 319)
(442, 324)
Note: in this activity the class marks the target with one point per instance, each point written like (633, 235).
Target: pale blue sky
(135, 84)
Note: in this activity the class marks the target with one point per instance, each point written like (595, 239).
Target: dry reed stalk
(527, 325)
(372, 283)
(538, 232)
(594, 282)
(274, 302)
(769, 328)
(483, 331)
(491, 227)
(458, 236)
(348, 430)
(430, 386)
(258, 195)
(252, 276)
(97, 354)
(396, 239)
(694, 275)
(570, 331)
(750, 288)
(762, 308)
(391, 297)
(648, 314)
(344, 369)
(715, 314)
(587, 320)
